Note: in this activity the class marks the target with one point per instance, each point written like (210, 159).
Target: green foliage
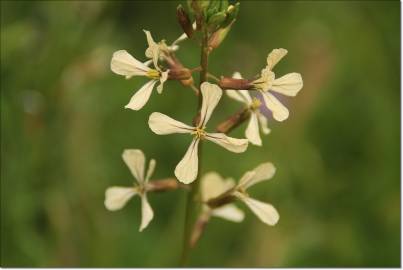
(63, 129)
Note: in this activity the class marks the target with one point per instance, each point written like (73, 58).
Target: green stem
(192, 204)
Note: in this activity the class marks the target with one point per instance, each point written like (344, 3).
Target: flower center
(199, 133)
(255, 104)
(141, 189)
(265, 81)
(153, 74)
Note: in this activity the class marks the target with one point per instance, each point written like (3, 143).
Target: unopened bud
(164, 185)
(223, 199)
(216, 20)
(232, 13)
(199, 227)
(184, 21)
(187, 82)
(179, 74)
(233, 121)
(236, 84)
(198, 5)
(218, 37)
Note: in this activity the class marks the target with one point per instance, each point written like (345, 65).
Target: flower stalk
(192, 203)
(234, 121)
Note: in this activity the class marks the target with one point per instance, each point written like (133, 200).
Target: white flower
(186, 170)
(126, 65)
(289, 85)
(264, 211)
(117, 197)
(154, 49)
(212, 186)
(252, 131)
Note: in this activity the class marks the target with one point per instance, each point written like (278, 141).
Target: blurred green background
(63, 129)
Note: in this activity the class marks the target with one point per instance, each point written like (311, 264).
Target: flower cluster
(217, 195)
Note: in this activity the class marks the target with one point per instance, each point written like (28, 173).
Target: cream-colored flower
(256, 118)
(264, 211)
(289, 85)
(186, 170)
(126, 65)
(160, 50)
(154, 49)
(212, 186)
(217, 188)
(117, 197)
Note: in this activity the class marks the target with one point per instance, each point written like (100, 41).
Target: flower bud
(184, 21)
(187, 82)
(198, 6)
(164, 185)
(199, 227)
(232, 13)
(236, 84)
(233, 121)
(218, 37)
(215, 21)
(179, 74)
(220, 201)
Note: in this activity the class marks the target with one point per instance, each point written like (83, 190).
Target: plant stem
(193, 202)
(233, 121)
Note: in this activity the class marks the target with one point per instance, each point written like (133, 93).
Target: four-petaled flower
(289, 85)
(117, 197)
(213, 185)
(253, 104)
(126, 65)
(187, 168)
(264, 211)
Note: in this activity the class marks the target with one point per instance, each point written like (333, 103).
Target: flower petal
(280, 112)
(263, 123)
(264, 171)
(242, 96)
(229, 212)
(213, 185)
(289, 85)
(123, 63)
(163, 78)
(162, 124)
(211, 96)
(237, 75)
(151, 168)
(229, 143)
(148, 62)
(140, 98)
(153, 50)
(264, 211)
(147, 213)
(181, 38)
(252, 131)
(235, 95)
(135, 160)
(187, 169)
(117, 197)
(275, 56)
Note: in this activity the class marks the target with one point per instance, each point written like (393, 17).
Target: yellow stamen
(255, 104)
(243, 191)
(153, 74)
(199, 133)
